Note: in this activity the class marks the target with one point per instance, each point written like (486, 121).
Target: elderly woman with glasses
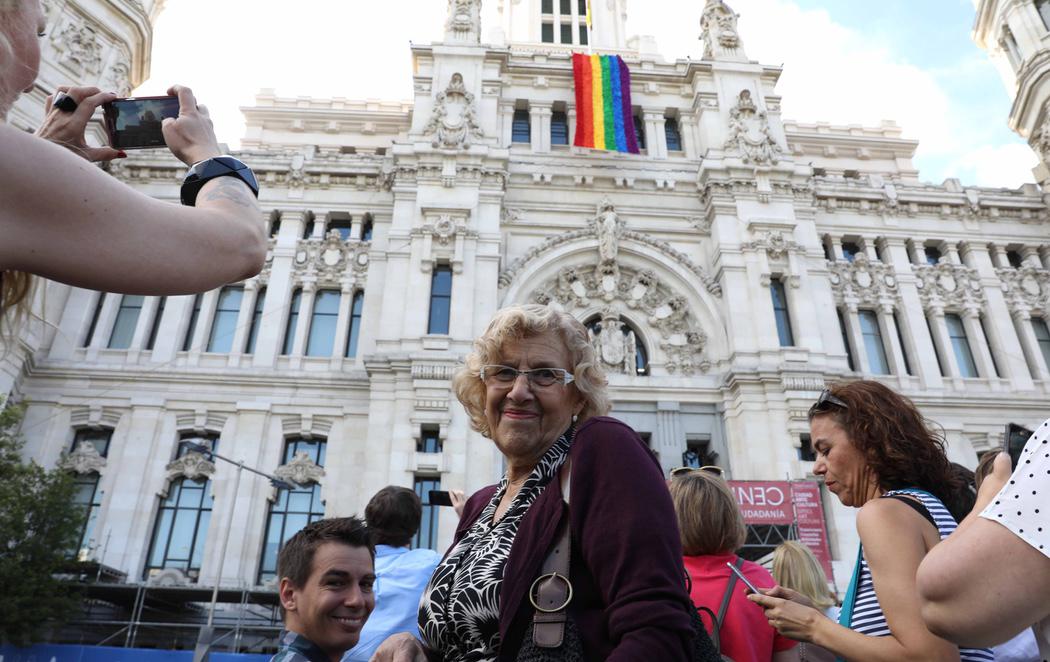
(877, 453)
(533, 385)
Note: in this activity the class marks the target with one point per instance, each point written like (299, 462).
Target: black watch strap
(204, 171)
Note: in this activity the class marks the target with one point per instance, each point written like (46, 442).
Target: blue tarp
(64, 653)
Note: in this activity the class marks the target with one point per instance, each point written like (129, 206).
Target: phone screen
(741, 577)
(135, 123)
(440, 498)
(1014, 442)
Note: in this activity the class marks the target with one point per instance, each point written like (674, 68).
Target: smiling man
(327, 573)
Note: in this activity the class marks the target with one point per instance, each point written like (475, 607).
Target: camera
(135, 122)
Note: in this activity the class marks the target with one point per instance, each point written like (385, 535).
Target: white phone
(741, 577)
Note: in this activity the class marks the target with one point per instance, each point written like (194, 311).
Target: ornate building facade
(728, 273)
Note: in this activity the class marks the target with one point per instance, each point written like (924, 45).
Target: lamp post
(204, 637)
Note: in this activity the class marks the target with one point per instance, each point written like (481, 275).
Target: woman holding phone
(877, 453)
(63, 218)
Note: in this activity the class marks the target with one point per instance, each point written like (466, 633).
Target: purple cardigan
(629, 597)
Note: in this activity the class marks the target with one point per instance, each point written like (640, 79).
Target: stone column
(1031, 257)
(107, 317)
(302, 327)
(860, 351)
(669, 439)
(655, 138)
(912, 317)
(244, 322)
(687, 127)
(978, 345)
(892, 341)
(836, 248)
(1003, 335)
(142, 327)
(1030, 346)
(571, 118)
(173, 328)
(278, 291)
(507, 115)
(541, 127)
(944, 345)
(202, 333)
(952, 253)
(916, 254)
(342, 326)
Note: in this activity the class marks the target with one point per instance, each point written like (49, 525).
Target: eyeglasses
(710, 469)
(501, 375)
(826, 401)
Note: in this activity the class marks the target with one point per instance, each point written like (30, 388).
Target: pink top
(746, 636)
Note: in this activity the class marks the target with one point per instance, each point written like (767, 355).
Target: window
(581, 7)
(850, 250)
(548, 6)
(547, 33)
(155, 327)
(293, 321)
(342, 226)
(275, 227)
(521, 129)
(127, 320)
(429, 439)
(873, 345)
(933, 254)
(366, 228)
(1015, 259)
(780, 311)
(321, 340)
(961, 346)
(308, 227)
(224, 325)
(559, 128)
(86, 495)
(94, 319)
(292, 509)
(1043, 7)
(257, 313)
(936, 350)
(805, 449)
(639, 130)
(900, 339)
(641, 356)
(191, 330)
(845, 341)
(355, 324)
(698, 454)
(426, 537)
(565, 6)
(182, 524)
(440, 299)
(583, 34)
(566, 32)
(1042, 336)
(674, 136)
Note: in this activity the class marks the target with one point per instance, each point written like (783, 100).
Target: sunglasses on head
(826, 401)
(710, 469)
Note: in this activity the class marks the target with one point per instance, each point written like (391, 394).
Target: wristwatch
(220, 166)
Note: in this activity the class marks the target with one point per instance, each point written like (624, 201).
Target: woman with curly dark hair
(877, 453)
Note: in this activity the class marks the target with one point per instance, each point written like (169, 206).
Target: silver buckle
(552, 575)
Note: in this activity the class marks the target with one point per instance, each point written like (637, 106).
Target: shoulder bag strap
(551, 592)
(739, 563)
(846, 614)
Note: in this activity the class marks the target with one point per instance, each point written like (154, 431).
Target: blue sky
(845, 61)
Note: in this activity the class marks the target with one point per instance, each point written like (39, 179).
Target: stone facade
(676, 253)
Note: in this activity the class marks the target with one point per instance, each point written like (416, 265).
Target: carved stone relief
(948, 286)
(454, 122)
(616, 349)
(302, 470)
(83, 460)
(192, 465)
(1043, 143)
(444, 233)
(80, 48)
(333, 261)
(749, 133)
(1027, 289)
(718, 25)
(863, 282)
(464, 20)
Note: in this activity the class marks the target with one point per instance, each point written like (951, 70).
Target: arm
(892, 535)
(629, 540)
(64, 219)
(983, 584)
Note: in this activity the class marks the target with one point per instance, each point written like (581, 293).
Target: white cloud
(995, 165)
(228, 50)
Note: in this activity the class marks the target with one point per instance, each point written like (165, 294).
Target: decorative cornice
(84, 459)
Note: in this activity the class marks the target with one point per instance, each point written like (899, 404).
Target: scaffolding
(141, 615)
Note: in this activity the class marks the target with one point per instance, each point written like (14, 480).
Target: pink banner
(783, 502)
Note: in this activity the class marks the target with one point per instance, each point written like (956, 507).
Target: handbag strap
(846, 614)
(551, 592)
(739, 563)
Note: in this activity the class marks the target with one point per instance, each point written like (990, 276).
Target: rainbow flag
(603, 103)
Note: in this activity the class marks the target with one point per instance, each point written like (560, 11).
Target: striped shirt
(867, 613)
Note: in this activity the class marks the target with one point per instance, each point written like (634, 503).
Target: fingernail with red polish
(122, 154)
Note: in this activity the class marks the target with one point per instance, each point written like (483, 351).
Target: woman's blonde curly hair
(525, 321)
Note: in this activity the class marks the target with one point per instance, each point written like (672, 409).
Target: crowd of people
(583, 551)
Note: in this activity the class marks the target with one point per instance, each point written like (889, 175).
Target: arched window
(182, 519)
(641, 356)
(292, 509)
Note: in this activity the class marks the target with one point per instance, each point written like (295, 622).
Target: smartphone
(1014, 441)
(135, 123)
(440, 498)
(741, 577)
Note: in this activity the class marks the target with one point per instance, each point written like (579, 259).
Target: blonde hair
(709, 520)
(795, 567)
(526, 321)
(10, 12)
(16, 290)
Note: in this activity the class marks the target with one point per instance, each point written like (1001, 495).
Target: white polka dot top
(1023, 505)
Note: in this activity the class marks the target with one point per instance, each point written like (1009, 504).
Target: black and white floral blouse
(459, 610)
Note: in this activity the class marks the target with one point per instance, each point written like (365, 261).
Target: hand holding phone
(135, 123)
(440, 498)
(1014, 442)
(741, 577)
